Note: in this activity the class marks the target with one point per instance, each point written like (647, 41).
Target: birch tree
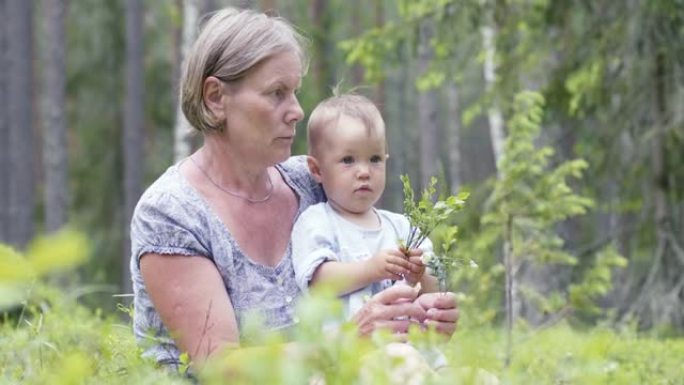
(494, 117)
(453, 137)
(182, 132)
(427, 108)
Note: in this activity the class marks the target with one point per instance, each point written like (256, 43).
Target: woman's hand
(441, 311)
(393, 309)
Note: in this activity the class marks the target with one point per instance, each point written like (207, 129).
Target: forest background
(563, 119)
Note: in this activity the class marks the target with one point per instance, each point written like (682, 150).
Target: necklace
(248, 199)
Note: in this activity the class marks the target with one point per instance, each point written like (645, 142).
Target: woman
(211, 237)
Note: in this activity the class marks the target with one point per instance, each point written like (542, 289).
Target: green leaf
(12, 295)
(62, 250)
(13, 266)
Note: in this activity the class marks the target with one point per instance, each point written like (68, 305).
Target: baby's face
(352, 165)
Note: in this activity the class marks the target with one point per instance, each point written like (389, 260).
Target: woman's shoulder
(296, 167)
(169, 194)
(167, 183)
(297, 175)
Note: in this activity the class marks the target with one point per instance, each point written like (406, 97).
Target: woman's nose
(295, 113)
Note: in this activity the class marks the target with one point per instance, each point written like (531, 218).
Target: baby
(346, 242)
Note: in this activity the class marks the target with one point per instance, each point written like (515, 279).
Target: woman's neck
(229, 171)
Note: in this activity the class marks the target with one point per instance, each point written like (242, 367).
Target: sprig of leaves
(424, 216)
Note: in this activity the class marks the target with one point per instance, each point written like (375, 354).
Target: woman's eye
(376, 159)
(348, 160)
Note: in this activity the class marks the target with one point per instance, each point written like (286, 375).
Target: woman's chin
(282, 156)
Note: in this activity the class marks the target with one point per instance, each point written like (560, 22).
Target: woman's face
(262, 110)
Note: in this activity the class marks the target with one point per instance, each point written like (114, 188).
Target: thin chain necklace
(248, 199)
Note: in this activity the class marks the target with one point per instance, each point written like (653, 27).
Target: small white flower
(473, 264)
(610, 367)
(427, 257)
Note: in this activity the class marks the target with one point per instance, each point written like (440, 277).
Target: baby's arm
(348, 277)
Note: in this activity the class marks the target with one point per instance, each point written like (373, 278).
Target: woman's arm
(189, 295)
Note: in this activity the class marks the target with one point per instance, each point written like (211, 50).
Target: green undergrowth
(65, 344)
(48, 337)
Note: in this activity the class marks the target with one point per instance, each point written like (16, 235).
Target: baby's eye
(279, 93)
(376, 159)
(348, 160)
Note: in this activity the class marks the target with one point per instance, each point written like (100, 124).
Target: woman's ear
(212, 94)
(314, 169)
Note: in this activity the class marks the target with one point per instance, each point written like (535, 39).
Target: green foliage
(65, 343)
(597, 282)
(54, 340)
(45, 256)
(556, 355)
(425, 216)
(529, 197)
(60, 342)
(371, 50)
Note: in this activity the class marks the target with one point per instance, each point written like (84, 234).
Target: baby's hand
(389, 264)
(416, 267)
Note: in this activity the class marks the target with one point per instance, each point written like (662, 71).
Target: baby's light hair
(328, 112)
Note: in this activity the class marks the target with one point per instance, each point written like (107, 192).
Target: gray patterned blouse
(172, 218)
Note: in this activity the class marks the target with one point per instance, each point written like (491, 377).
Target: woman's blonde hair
(230, 43)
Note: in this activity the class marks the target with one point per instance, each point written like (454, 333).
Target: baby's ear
(314, 169)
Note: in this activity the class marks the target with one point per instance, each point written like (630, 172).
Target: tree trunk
(322, 64)
(380, 87)
(427, 109)
(510, 288)
(4, 129)
(357, 71)
(133, 125)
(55, 154)
(177, 29)
(19, 26)
(659, 301)
(182, 132)
(453, 137)
(210, 6)
(494, 117)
